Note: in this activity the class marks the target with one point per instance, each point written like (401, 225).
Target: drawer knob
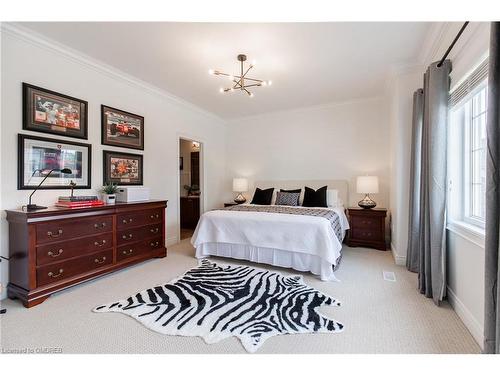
(100, 261)
(54, 235)
(127, 252)
(102, 225)
(53, 275)
(127, 237)
(103, 242)
(155, 216)
(155, 230)
(55, 255)
(154, 244)
(125, 221)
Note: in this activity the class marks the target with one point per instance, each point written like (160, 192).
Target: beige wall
(338, 141)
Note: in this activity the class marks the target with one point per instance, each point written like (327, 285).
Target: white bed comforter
(304, 234)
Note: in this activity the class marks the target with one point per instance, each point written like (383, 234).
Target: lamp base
(367, 202)
(34, 207)
(240, 199)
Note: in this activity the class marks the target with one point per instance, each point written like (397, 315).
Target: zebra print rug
(216, 302)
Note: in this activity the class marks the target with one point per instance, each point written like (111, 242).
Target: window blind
(469, 84)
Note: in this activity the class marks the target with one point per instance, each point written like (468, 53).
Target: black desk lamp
(33, 207)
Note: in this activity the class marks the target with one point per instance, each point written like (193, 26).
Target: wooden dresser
(56, 248)
(367, 227)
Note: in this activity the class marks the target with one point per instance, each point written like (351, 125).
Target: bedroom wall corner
(399, 93)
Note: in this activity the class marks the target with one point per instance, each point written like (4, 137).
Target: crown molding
(433, 41)
(316, 107)
(26, 35)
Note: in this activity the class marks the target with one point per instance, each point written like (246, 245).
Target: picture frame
(122, 129)
(38, 155)
(122, 168)
(47, 111)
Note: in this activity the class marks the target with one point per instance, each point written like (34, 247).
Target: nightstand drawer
(366, 222)
(366, 234)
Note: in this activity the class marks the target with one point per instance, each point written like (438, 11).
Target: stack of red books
(80, 201)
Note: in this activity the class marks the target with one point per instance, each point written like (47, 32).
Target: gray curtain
(492, 268)
(427, 233)
(412, 253)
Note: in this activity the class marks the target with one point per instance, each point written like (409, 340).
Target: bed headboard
(341, 185)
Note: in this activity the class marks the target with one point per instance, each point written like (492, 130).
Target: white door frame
(203, 198)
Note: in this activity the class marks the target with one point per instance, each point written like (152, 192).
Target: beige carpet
(379, 316)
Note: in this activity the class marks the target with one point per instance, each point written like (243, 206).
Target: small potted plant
(109, 192)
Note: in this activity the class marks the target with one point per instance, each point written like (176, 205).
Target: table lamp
(367, 185)
(240, 185)
(34, 207)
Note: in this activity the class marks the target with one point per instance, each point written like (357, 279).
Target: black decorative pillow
(263, 196)
(287, 199)
(314, 198)
(292, 191)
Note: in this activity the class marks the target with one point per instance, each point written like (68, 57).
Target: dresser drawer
(68, 229)
(55, 252)
(138, 249)
(366, 234)
(138, 234)
(366, 222)
(138, 218)
(62, 270)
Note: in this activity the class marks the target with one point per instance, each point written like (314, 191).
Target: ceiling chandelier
(241, 82)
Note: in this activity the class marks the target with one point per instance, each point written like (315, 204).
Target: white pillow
(332, 198)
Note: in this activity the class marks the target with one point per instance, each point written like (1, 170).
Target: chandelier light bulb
(221, 90)
(269, 83)
(251, 94)
(211, 72)
(254, 62)
(263, 83)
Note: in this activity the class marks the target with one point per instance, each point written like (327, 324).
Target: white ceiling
(309, 63)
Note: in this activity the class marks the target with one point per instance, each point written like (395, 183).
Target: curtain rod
(453, 43)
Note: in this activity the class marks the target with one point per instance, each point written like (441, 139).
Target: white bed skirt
(275, 257)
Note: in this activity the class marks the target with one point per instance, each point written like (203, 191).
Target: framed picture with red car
(122, 168)
(48, 111)
(122, 129)
(37, 156)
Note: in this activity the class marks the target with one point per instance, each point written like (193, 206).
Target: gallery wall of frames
(49, 112)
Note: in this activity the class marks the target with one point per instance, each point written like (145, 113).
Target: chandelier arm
(253, 85)
(248, 92)
(250, 67)
(254, 79)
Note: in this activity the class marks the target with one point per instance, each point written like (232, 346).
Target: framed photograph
(122, 129)
(122, 168)
(37, 156)
(48, 111)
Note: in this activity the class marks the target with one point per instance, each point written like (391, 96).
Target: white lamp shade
(240, 185)
(367, 184)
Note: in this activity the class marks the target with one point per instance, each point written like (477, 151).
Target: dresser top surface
(53, 210)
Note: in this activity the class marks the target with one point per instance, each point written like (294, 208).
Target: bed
(302, 238)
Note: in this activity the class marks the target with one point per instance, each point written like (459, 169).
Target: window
(467, 155)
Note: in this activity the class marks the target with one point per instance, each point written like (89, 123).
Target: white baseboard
(400, 260)
(466, 316)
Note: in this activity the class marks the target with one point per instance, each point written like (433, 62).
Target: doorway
(190, 186)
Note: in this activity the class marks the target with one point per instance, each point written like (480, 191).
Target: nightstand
(229, 204)
(367, 227)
